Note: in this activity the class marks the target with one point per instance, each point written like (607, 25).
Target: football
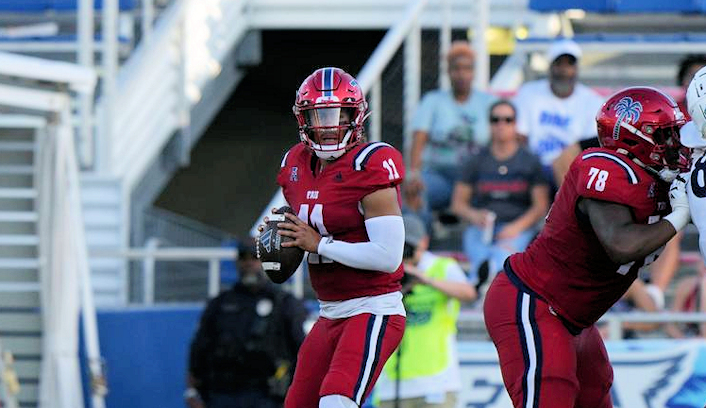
(278, 262)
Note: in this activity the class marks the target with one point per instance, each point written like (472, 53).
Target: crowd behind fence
(471, 315)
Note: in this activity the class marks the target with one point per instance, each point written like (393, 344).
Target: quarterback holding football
(346, 215)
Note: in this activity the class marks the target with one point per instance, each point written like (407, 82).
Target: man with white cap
(558, 112)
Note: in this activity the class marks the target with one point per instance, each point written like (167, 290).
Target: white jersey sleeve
(696, 192)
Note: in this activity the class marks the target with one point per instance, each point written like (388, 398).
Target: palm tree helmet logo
(626, 110)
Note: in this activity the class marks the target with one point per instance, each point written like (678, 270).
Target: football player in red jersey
(610, 217)
(346, 195)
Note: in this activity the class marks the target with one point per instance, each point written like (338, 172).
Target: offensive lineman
(610, 217)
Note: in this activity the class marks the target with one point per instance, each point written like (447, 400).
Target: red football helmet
(330, 109)
(643, 123)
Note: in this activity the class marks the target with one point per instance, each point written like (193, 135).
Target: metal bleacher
(49, 27)
(46, 28)
(625, 43)
(620, 6)
(20, 6)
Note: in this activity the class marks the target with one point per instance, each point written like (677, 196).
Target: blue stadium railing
(622, 38)
(622, 6)
(40, 6)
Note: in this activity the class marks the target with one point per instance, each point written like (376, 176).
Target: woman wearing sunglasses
(501, 193)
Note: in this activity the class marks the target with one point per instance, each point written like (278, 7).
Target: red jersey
(330, 201)
(566, 264)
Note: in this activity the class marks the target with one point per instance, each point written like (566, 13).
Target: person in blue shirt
(448, 125)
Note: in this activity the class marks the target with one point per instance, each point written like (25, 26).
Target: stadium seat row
(622, 6)
(40, 6)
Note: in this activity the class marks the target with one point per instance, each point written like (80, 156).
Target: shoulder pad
(606, 176)
(291, 153)
(284, 159)
(360, 160)
(382, 164)
(289, 157)
(594, 159)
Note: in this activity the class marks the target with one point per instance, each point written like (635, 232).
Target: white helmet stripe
(632, 129)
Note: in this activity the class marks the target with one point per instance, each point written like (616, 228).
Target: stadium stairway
(146, 149)
(20, 312)
(102, 201)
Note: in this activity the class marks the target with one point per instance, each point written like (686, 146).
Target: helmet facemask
(328, 131)
(669, 152)
(667, 157)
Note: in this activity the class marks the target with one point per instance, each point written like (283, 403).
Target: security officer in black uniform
(244, 352)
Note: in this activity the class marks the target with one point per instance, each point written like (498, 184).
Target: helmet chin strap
(329, 155)
(332, 155)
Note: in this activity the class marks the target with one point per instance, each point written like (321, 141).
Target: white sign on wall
(647, 374)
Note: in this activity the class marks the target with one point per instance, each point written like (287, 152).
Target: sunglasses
(498, 119)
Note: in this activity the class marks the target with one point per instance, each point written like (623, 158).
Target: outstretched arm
(458, 289)
(623, 240)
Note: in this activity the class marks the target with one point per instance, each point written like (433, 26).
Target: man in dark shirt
(502, 193)
(244, 352)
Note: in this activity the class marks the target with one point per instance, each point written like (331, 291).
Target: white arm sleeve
(382, 253)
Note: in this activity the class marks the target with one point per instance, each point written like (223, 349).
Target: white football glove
(679, 201)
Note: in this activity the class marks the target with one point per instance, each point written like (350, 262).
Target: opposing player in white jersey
(693, 135)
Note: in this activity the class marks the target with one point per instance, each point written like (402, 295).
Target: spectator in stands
(424, 372)
(502, 193)
(687, 68)
(447, 125)
(559, 112)
(689, 296)
(243, 354)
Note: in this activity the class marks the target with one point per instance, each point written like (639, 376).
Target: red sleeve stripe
(628, 170)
